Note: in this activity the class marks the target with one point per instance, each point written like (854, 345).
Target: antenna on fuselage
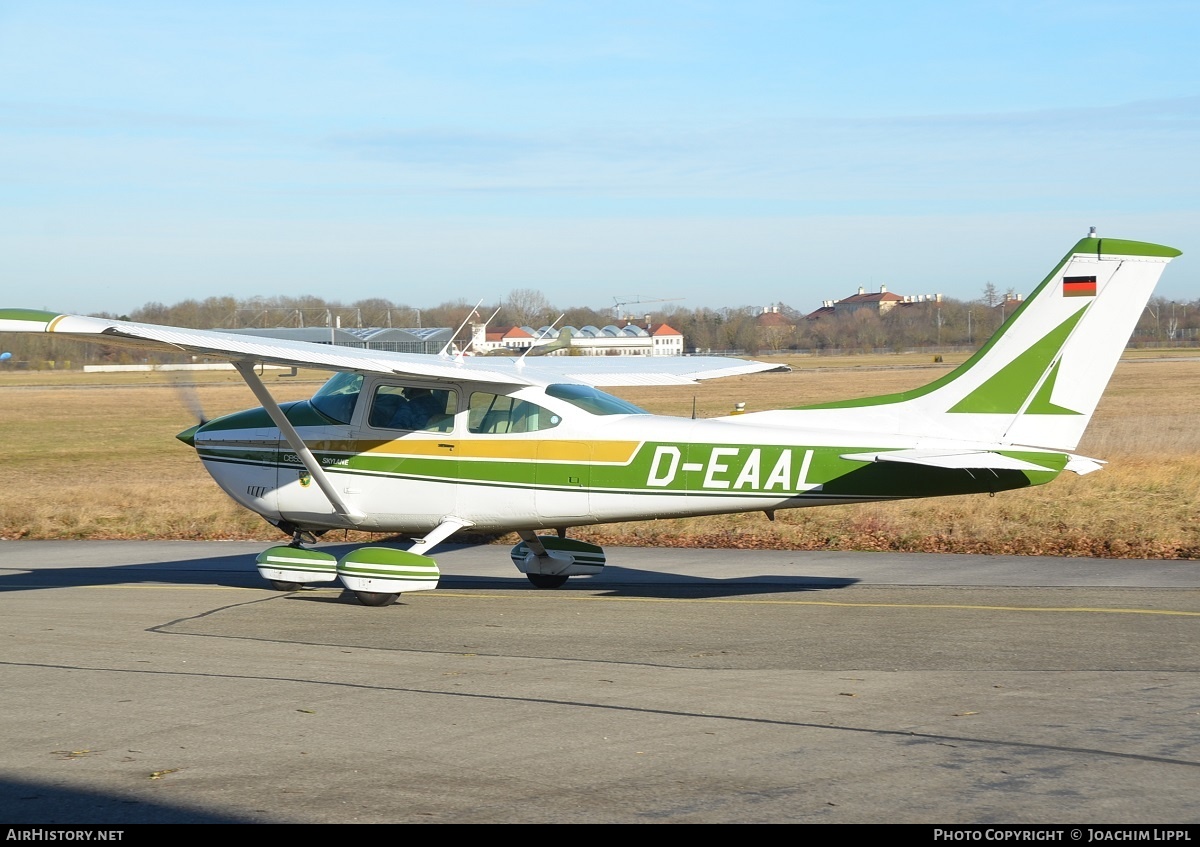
(693, 407)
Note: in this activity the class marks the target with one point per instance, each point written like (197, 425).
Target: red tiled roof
(871, 298)
(505, 332)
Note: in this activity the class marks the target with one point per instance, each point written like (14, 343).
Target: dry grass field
(94, 456)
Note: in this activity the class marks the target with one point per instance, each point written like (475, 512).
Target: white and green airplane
(424, 446)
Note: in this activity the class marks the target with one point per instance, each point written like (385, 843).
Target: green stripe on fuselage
(731, 470)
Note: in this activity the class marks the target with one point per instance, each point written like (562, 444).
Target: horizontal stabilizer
(1082, 465)
(953, 459)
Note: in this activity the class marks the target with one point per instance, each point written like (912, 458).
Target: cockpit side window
(413, 408)
(337, 397)
(498, 413)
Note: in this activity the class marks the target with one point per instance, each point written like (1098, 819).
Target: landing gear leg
(300, 537)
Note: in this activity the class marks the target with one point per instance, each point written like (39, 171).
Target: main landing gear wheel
(280, 585)
(372, 598)
(547, 580)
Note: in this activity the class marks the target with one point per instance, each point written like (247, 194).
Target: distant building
(515, 338)
(880, 302)
(418, 340)
(776, 317)
(621, 339)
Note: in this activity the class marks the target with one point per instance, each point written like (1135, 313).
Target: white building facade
(612, 340)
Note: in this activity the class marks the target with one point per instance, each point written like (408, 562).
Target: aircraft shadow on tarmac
(39, 804)
(239, 571)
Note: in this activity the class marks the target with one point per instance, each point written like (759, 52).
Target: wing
(587, 370)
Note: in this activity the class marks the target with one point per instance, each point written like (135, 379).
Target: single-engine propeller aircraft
(424, 446)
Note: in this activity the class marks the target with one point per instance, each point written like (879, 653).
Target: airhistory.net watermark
(43, 833)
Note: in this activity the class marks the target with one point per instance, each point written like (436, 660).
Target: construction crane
(638, 300)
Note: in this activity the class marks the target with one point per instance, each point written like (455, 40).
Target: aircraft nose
(188, 436)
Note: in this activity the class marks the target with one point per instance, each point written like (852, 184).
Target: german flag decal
(1079, 286)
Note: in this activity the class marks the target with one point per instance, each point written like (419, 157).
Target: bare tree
(990, 295)
(528, 307)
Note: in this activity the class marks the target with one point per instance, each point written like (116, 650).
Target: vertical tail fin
(1038, 380)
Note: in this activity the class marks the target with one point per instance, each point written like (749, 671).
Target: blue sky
(726, 154)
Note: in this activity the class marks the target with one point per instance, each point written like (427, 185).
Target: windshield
(592, 400)
(336, 398)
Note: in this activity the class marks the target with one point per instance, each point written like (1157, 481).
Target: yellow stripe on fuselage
(599, 452)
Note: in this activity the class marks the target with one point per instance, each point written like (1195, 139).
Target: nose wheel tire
(279, 585)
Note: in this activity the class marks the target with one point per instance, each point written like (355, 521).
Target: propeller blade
(190, 397)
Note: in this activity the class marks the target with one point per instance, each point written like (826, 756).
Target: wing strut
(449, 525)
(246, 369)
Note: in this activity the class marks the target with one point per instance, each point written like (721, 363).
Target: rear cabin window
(593, 400)
(497, 413)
